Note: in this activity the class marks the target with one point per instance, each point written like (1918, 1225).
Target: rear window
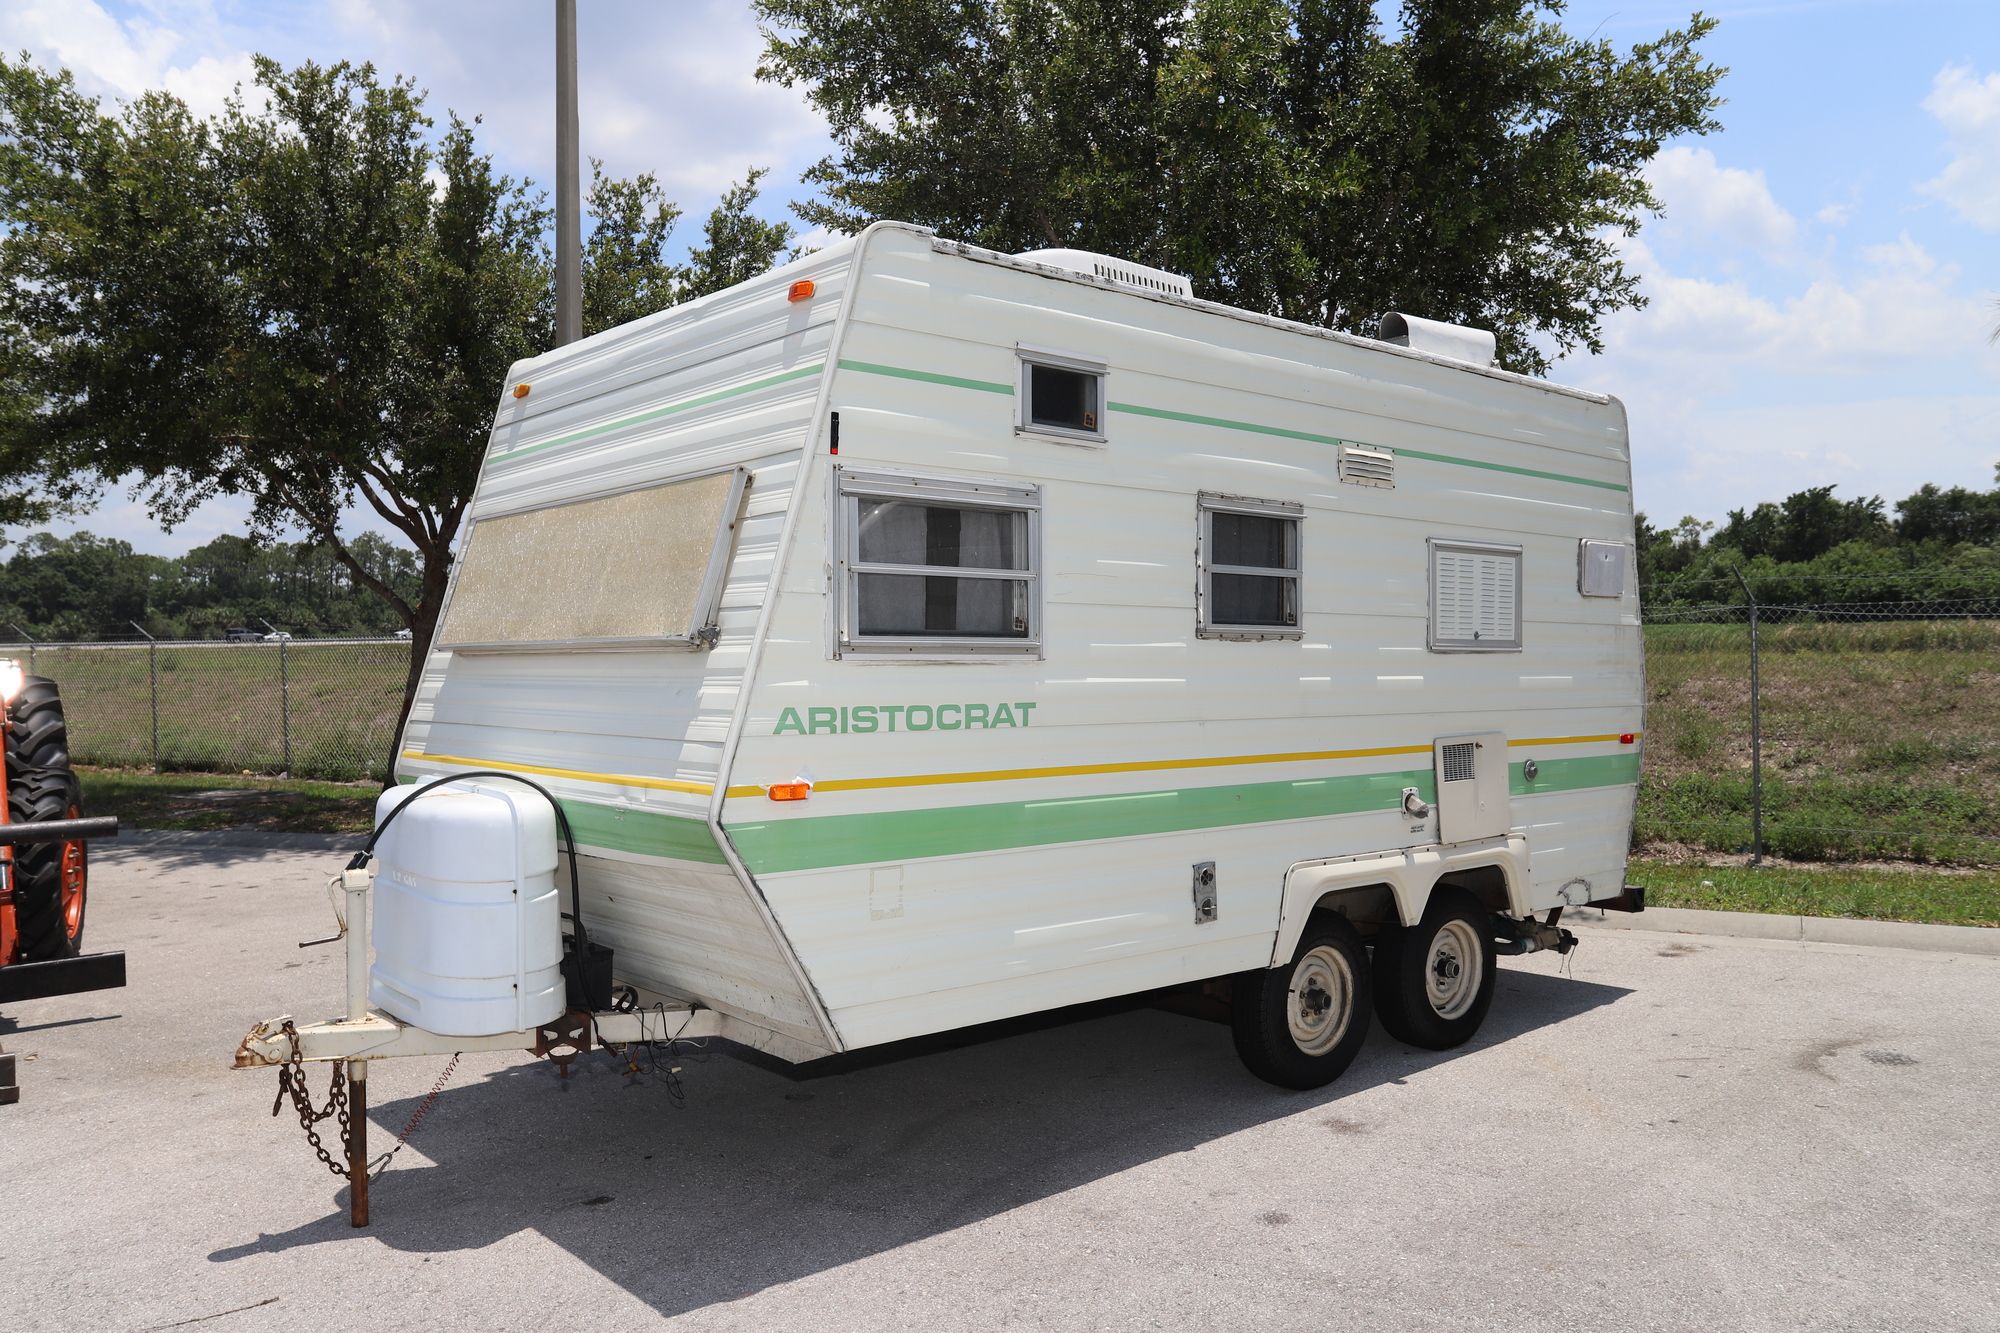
(638, 569)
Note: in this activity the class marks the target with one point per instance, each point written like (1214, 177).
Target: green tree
(79, 586)
(1950, 516)
(1804, 525)
(1473, 164)
(312, 305)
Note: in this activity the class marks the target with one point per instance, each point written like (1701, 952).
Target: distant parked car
(239, 634)
(400, 634)
(277, 636)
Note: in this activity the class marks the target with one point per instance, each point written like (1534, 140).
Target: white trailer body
(1237, 586)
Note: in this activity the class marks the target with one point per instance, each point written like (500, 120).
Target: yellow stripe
(614, 779)
(1577, 740)
(1142, 766)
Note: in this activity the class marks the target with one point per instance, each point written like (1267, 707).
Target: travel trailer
(917, 636)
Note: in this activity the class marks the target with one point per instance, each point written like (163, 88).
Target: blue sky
(1822, 284)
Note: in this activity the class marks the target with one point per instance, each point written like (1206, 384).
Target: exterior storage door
(1472, 786)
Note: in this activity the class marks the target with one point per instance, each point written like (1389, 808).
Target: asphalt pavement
(1661, 1132)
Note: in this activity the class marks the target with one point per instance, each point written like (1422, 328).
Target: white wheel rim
(1320, 1005)
(1453, 969)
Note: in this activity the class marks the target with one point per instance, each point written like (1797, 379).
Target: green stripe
(928, 377)
(641, 832)
(1599, 770)
(685, 405)
(772, 846)
(1517, 471)
(1223, 423)
(905, 835)
(1254, 428)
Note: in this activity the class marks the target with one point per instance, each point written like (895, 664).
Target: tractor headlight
(11, 679)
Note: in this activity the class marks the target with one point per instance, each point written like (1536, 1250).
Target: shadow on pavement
(764, 1178)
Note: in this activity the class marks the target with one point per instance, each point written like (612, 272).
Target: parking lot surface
(1663, 1132)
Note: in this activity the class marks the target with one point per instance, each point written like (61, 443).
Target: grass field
(1881, 741)
(208, 802)
(316, 710)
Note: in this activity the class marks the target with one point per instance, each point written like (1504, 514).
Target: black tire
(1421, 992)
(1301, 1045)
(41, 786)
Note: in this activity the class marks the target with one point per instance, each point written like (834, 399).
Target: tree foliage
(1812, 546)
(1472, 162)
(89, 587)
(312, 304)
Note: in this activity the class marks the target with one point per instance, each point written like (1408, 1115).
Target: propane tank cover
(467, 919)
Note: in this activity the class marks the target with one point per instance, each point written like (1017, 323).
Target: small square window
(1248, 565)
(1061, 395)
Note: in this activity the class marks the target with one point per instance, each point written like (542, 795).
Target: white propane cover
(467, 920)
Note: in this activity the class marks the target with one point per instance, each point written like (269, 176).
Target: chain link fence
(321, 708)
(1825, 731)
(1800, 730)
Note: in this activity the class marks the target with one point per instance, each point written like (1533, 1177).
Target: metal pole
(1756, 736)
(569, 216)
(357, 1143)
(285, 700)
(152, 686)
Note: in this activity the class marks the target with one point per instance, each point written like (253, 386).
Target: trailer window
(938, 566)
(639, 569)
(1247, 561)
(1061, 395)
(1475, 597)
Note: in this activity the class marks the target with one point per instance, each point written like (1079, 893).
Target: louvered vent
(1367, 465)
(1151, 279)
(1143, 276)
(1475, 597)
(1458, 762)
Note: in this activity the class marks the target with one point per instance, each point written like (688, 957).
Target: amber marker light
(789, 791)
(520, 391)
(802, 290)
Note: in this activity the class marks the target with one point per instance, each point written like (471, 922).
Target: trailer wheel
(1434, 980)
(1301, 1026)
(50, 879)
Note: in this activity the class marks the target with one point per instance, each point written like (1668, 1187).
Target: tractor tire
(49, 878)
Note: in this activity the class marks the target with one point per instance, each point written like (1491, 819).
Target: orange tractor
(44, 869)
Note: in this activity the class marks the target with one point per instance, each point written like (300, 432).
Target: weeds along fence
(322, 708)
(1824, 731)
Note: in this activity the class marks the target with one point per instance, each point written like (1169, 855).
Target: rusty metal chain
(292, 1084)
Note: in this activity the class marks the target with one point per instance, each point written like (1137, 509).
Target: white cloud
(666, 89)
(181, 50)
(1968, 107)
(1901, 304)
(1875, 375)
(1834, 215)
(1718, 202)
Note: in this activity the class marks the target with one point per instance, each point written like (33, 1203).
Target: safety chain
(381, 1164)
(292, 1084)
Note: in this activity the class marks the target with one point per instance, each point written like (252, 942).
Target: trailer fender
(1375, 889)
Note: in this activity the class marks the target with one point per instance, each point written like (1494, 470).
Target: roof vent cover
(1455, 341)
(1121, 271)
